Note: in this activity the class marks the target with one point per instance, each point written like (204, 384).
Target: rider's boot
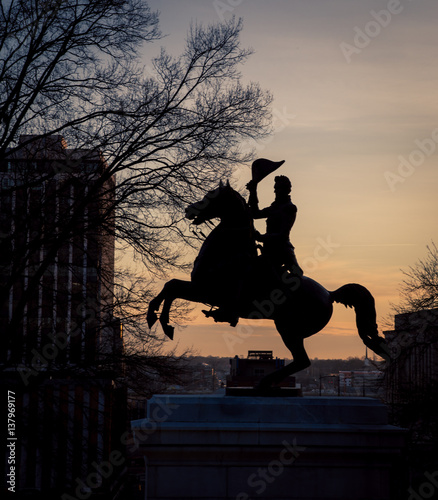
(223, 315)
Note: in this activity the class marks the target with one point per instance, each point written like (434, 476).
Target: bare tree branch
(419, 289)
(72, 68)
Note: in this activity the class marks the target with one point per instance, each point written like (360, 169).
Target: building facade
(60, 344)
(57, 259)
(413, 346)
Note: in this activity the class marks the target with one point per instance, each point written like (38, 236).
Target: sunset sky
(356, 119)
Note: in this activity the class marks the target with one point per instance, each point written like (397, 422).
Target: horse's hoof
(151, 318)
(168, 330)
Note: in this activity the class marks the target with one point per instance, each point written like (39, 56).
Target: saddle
(261, 284)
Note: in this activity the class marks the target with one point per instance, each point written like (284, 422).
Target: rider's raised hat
(262, 167)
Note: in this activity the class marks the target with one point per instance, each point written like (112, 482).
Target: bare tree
(61, 59)
(411, 375)
(145, 365)
(419, 289)
(96, 150)
(72, 68)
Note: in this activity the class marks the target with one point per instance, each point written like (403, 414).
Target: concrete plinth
(222, 447)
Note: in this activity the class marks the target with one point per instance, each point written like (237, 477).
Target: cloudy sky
(356, 119)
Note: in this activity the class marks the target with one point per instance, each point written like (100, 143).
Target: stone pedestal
(223, 447)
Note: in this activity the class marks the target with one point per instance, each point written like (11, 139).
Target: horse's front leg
(173, 289)
(166, 292)
(154, 305)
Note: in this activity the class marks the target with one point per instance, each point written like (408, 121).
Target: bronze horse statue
(228, 269)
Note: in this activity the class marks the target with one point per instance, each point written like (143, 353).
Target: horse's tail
(357, 296)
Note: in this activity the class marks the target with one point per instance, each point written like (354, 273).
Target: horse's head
(214, 204)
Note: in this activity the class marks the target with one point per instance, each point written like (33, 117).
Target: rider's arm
(253, 202)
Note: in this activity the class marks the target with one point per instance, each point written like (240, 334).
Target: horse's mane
(241, 199)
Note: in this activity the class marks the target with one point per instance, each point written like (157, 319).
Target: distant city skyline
(355, 118)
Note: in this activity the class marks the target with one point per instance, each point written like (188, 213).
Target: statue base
(272, 392)
(306, 448)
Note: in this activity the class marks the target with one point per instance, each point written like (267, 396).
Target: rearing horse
(228, 270)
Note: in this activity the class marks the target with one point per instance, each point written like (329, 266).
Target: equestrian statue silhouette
(230, 276)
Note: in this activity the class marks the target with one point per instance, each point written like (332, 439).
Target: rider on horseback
(278, 251)
(228, 274)
(280, 217)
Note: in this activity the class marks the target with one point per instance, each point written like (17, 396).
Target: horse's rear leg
(300, 362)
